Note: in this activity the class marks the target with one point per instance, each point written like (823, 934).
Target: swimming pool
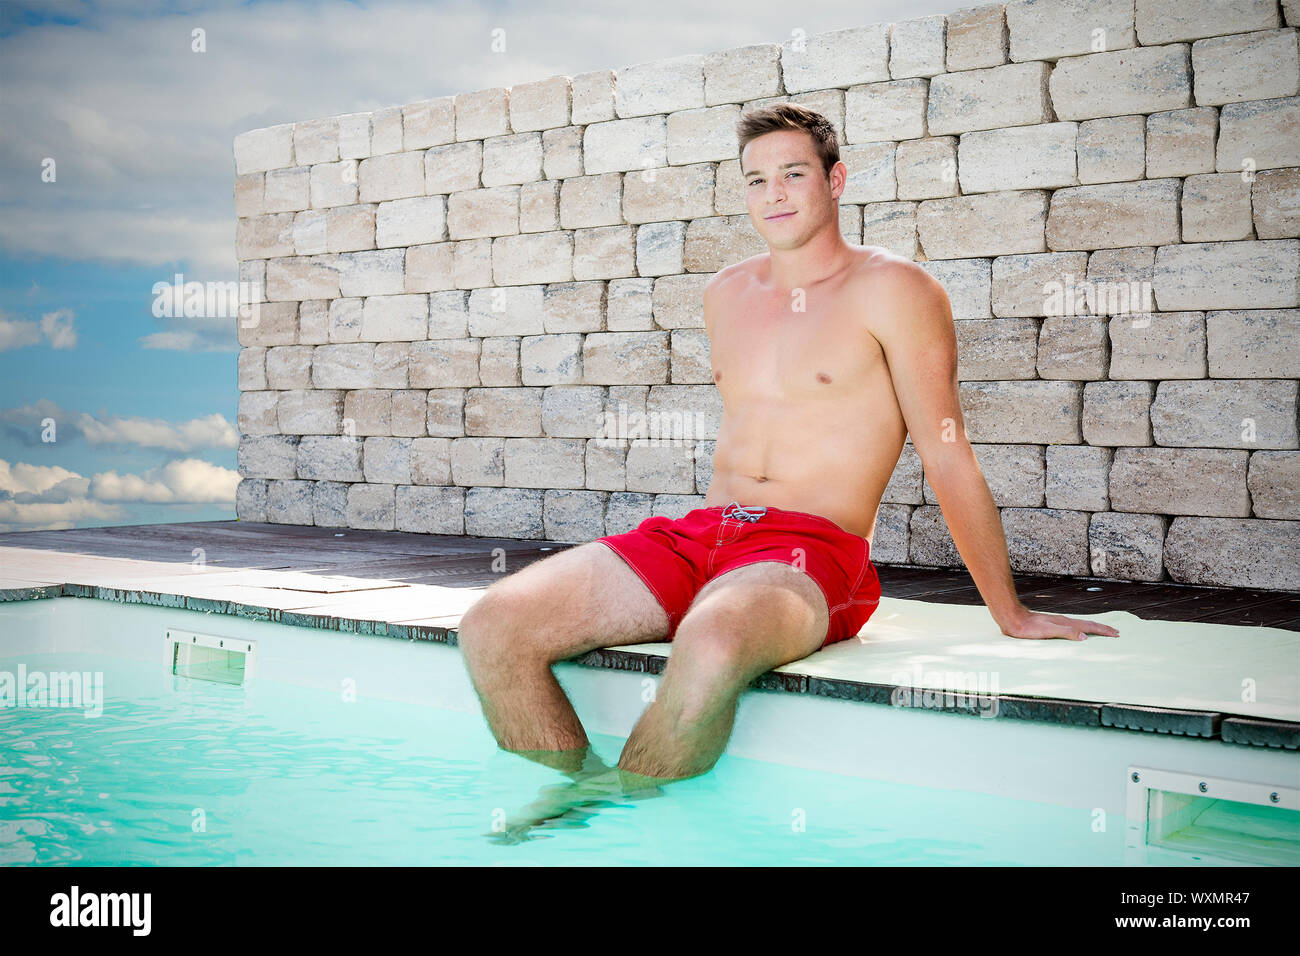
(342, 748)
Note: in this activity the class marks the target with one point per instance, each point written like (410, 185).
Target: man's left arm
(912, 319)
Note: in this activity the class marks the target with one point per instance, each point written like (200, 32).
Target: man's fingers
(1092, 627)
(1069, 628)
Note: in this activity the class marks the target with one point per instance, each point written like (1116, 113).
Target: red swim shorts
(675, 558)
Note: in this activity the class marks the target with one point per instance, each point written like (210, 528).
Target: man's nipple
(824, 378)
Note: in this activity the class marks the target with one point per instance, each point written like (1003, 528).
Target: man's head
(791, 170)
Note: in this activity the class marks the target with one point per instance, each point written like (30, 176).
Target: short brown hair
(779, 116)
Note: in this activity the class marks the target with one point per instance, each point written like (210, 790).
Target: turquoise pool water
(184, 772)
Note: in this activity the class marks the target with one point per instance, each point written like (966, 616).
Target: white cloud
(212, 431)
(18, 333)
(209, 431)
(187, 341)
(56, 328)
(48, 516)
(194, 334)
(41, 497)
(23, 478)
(185, 481)
(33, 413)
(196, 316)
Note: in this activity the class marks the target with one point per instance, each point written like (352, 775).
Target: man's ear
(839, 177)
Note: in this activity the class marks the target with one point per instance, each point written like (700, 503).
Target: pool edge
(1239, 729)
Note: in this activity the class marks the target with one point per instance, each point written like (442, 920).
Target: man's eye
(795, 174)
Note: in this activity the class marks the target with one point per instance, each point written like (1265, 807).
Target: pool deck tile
(8, 583)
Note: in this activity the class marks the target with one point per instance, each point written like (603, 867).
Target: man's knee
(745, 629)
(710, 659)
(489, 620)
(524, 616)
(762, 599)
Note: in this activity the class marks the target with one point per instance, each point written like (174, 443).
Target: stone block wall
(459, 297)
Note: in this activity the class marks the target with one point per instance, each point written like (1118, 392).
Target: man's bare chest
(789, 353)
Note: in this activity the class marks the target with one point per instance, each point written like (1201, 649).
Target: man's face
(787, 193)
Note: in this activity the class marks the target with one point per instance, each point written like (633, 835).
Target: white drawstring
(735, 509)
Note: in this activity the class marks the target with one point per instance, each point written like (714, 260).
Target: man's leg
(741, 624)
(560, 607)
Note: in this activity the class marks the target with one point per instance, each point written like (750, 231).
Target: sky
(117, 175)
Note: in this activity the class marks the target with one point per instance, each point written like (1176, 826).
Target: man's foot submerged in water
(562, 805)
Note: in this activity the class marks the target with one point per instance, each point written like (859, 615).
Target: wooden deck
(458, 561)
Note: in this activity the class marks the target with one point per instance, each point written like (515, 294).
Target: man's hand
(1034, 626)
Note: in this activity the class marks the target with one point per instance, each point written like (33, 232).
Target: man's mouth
(779, 216)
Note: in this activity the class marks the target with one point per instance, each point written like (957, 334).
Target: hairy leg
(557, 608)
(741, 624)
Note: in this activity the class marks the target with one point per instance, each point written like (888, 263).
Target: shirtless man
(827, 356)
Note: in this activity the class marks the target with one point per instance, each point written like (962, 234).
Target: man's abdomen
(834, 478)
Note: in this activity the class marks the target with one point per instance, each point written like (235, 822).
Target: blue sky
(138, 125)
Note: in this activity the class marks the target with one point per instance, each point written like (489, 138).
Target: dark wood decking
(457, 561)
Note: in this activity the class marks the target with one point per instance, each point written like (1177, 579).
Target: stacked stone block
(460, 297)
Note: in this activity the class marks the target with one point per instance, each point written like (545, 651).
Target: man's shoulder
(743, 270)
(887, 284)
(895, 293)
(883, 269)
